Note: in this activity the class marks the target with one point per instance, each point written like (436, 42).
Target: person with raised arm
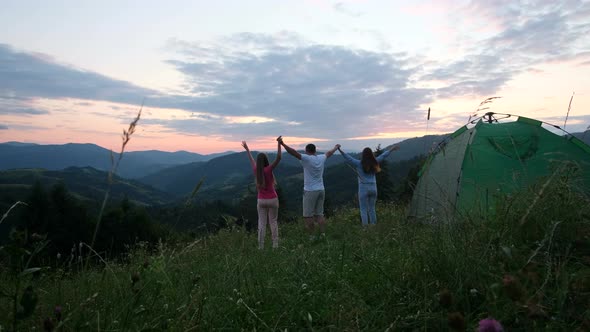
(365, 169)
(313, 185)
(268, 201)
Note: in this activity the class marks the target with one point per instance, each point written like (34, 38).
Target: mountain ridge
(60, 156)
(234, 169)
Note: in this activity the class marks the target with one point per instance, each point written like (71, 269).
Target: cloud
(3, 127)
(529, 34)
(30, 75)
(546, 37)
(23, 111)
(345, 9)
(314, 90)
(330, 91)
(278, 76)
(575, 123)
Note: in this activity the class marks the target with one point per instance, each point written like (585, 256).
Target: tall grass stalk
(569, 107)
(5, 215)
(126, 137)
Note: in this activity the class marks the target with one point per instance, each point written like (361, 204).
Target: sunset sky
(214, 73)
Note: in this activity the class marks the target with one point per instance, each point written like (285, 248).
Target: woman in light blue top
(365, 169)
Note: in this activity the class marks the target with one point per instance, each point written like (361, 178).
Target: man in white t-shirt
(313, 184)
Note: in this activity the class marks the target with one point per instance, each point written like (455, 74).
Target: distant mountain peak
(14, 143)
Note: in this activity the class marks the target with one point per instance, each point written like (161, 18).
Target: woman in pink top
(268, 201)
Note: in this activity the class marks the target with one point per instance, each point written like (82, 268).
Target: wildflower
(456, 321)
(445, 298)
(57, 312)
(489, 325)
(58, 256)
(512, 287)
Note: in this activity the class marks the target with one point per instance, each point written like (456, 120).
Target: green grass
(534, 276)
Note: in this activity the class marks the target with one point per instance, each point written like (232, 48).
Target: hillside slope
(85, 182)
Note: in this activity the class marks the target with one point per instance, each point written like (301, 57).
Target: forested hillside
(86, 183)
(58, 157)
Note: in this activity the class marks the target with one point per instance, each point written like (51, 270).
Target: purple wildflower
(57, 312)
(490, 325)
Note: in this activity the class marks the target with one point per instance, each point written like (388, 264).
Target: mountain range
(227, 171)
(161, 177)
(135, 164)
(156, 177)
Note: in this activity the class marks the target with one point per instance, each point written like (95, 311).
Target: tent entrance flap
(436, 192)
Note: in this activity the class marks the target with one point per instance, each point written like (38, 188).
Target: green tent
(475, 165)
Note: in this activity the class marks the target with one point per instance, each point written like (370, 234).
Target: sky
(213, 73)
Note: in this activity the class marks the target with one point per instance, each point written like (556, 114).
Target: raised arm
(252, 162)
(289, 149)
(331, 152)
(386, 153)
(348, 158)
(278, 158)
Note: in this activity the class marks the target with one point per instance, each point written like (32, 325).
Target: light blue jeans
(367, 201)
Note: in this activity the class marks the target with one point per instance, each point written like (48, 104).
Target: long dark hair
(368, 161)
(261, 163)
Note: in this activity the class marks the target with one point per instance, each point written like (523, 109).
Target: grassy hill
(527, 268)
